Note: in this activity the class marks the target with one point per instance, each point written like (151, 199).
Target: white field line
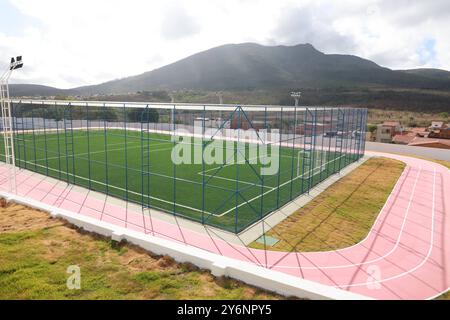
(41, 138)
(129, 191)
(234, 180)
(298, 163)
(160, 149)
(193, 135)
(103, 151)
(288, 145)
(239, 162)
(317, 159)
(180, 179)
(281, 185)
(240, 181)
(109, 144)
(241, 139)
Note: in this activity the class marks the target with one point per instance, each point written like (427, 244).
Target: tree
(56, 114)
(371, 128)
(61, 97)
(142, 115)
(109, 114)
(444, 115)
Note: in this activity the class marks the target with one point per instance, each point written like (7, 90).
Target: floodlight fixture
(16, 63)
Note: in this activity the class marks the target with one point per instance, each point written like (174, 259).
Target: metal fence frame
(334, 130)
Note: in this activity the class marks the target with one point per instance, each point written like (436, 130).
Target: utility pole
(296, 96)
(220, 95)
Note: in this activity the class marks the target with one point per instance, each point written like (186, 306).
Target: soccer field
(137, 167)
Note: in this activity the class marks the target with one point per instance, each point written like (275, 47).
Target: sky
(70, 43)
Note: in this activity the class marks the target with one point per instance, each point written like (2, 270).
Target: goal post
(319, 165)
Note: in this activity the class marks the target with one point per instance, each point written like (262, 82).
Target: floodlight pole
(7, 128)
(220, 95)
(296, 96)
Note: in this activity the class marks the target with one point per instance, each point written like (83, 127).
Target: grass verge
(441, 162)
(343, 214)
(445, 296)
(444, 163)
(36, 251)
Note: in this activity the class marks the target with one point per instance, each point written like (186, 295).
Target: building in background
(387, 130)
(435, 136)
(439, 129)
(430, 143)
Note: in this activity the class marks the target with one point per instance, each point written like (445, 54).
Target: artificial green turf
(137, 167)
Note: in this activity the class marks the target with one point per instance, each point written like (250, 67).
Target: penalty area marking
(275, 188)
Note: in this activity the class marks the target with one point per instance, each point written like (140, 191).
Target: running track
(406, 254)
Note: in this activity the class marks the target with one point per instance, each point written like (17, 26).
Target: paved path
(406, 254)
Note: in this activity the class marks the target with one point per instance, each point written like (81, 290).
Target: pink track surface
(405, 255)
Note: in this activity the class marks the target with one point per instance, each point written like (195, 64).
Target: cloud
(79, 42)
(177, 24)
(312, 24)
(407, 13)
(391, 33)
(427, 52)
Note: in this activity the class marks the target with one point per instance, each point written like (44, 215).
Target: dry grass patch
(441, 162)
(36, 251)
(15, 217)
(343, 214)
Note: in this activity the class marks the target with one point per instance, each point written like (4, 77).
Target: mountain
(430, 73)
(20, 90)
(250, 66)
(253, 73)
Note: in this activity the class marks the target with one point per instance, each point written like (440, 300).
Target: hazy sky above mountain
(77, 42)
